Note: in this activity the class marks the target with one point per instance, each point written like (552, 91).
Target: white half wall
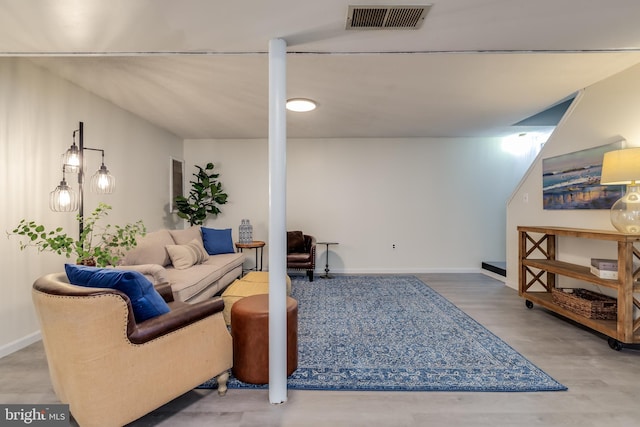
(38, 114)
(441, 202)
(602, 113)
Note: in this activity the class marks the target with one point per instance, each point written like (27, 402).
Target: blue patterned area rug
(396, 333)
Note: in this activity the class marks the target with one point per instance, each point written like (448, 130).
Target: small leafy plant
(205, 196)
(97, 245)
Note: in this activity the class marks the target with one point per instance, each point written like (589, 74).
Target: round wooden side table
(258, 245)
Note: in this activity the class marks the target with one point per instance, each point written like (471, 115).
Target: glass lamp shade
(625, 213)
(63, 198)
(71, 159)
(102, 182)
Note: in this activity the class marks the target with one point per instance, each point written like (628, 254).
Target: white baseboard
(494, 276)
(19, 344)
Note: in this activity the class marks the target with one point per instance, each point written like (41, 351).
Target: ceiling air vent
(386, 17)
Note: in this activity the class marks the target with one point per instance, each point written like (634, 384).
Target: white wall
(440, 201)
(38, 113)
(603, 113)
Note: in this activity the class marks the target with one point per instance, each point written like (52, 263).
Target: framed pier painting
(572, 181)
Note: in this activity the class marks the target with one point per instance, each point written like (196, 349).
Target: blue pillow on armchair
(145, 300)
(217, 241)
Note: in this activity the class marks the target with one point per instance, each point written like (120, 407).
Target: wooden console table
(538, 265)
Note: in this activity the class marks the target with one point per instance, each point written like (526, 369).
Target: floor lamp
(63, 198)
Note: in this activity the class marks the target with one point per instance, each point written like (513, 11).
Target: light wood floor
(604, 385)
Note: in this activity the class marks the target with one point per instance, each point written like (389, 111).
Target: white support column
(277, 221)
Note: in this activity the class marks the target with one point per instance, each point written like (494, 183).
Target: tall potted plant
(204, 197)
(97, 245)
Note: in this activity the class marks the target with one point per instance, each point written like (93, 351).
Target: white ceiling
(199, 68)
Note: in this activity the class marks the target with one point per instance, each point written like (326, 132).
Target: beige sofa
(192, 284)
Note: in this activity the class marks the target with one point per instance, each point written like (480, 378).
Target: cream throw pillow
(184, 256)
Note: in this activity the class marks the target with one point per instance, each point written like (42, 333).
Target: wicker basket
(586, 303)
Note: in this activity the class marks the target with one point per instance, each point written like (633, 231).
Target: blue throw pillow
(217, 241)
(145, 300)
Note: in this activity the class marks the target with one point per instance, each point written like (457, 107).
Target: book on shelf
(605, 264)
(604, 274)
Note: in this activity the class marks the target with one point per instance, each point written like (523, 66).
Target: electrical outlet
(525, 198)
(393, 246)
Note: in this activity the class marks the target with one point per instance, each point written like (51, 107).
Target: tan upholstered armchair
(112, 370)
(301, 252)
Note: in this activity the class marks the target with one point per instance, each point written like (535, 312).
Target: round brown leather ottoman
(250, 332)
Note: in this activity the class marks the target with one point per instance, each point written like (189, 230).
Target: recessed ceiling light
(300, 105)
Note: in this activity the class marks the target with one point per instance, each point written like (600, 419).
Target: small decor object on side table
(245, 231)
(326, 268)
(258, 245)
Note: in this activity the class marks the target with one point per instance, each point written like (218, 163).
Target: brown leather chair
(112, 370)
(301, 252)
